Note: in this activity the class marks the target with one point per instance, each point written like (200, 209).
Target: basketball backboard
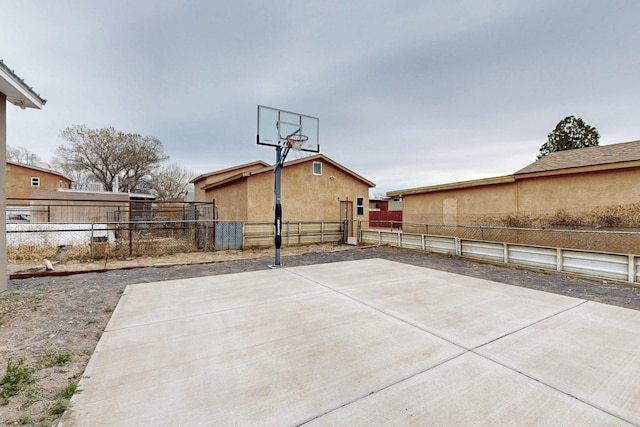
(274, 126)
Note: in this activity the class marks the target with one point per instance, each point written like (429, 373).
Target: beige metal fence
(579, 252)
(620, 240)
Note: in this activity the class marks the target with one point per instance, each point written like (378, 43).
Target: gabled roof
(269, 168)
(605, 157)
(585, 157)
(252, 165)
(40, 169)
(17, 91)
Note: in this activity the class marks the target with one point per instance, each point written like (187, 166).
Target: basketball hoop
(296, 141)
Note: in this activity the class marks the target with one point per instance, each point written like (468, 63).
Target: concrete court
(369, 342)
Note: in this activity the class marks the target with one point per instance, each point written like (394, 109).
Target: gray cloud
(408, 93)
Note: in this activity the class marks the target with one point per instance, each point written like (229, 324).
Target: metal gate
(228, 235)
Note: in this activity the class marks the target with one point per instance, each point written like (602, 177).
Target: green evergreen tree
(570, 133)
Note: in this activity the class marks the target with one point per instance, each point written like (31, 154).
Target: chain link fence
(96, 229)
(83, 242)
(115, 225)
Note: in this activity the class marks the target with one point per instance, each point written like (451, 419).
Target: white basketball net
(296, 141)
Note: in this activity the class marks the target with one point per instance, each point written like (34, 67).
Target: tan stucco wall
(18, 183)
(534, 197)
(304, 196)
(460, 206)
(309, 197)
(578, 192)
(230, 200)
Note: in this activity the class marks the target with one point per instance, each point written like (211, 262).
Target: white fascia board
(17, 92)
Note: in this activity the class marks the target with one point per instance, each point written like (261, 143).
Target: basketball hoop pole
(278, 217)
(277, 170)
(285, 131)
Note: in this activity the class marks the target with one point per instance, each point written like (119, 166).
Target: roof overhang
(453, 186)
(228, 180)
(269, 168)
(253, 165)
(583, 169)
(17, 91)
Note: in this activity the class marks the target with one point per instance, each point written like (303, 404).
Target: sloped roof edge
(315, 157)
(257, 163)
(506, 179)
(269, 168)
(571, 160)
(17, 91)
(226, 180)
(37, 168)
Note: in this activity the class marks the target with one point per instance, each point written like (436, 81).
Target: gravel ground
(49, 325)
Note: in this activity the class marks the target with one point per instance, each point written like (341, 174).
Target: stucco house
(314, 188)
(574, 181)
(203, 180)
(23, 180)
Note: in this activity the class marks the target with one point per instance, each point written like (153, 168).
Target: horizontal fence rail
(157, 229)
(613, 266)
(293, 232)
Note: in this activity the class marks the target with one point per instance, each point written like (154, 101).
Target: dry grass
(610, 217)
(32, 253)
(147, 246)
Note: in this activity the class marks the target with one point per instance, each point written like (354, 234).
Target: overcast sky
(408, 93)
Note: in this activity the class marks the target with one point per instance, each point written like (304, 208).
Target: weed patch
(16, 378)
(61, 404)
(54, 359)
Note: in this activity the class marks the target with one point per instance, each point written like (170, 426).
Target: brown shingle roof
(581, 157)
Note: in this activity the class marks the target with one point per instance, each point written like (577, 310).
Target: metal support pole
(278, 218)
(130, 229)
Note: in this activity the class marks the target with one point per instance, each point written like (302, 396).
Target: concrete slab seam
(588, 403)
(358, 398)
(593, 405)
(372, 307)
(226, 310)
(515, 331)
(466, 350)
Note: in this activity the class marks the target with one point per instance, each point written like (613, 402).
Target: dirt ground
(50, 323)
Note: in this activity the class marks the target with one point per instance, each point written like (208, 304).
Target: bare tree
(81, 178)
(171, 182)
(22, 155)
(107, 154)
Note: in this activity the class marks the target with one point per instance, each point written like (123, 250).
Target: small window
(360, 206)
(317, 168)
(35, 181)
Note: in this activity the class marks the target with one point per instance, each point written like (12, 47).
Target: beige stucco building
(313, 188)
(23, 180)
(574, 181)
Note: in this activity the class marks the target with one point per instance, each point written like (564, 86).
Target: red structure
(384, 218)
